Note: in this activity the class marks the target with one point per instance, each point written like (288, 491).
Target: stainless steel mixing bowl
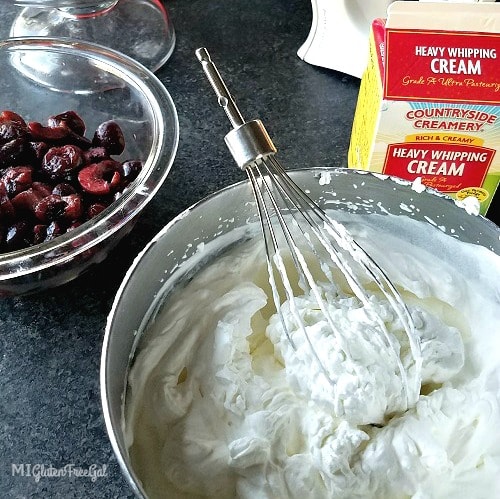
(166, 260)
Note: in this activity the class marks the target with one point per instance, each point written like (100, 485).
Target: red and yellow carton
(429, 100)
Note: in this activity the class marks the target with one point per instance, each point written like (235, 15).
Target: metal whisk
(293, 224)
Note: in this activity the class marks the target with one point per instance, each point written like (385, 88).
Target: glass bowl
(42, 77)
(208, 228)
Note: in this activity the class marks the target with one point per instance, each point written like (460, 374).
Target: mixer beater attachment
(296, 228)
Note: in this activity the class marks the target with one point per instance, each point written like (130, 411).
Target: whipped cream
(220, 404)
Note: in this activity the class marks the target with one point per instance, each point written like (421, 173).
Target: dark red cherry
(18, 235)
(59, 162)
(100, 178)
(110, 136)
(17, 179)
(69, 119)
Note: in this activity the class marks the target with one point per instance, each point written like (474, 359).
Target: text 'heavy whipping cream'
(429, 102)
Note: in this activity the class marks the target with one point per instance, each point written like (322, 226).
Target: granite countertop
(50, 343)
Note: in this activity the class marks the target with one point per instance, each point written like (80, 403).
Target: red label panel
(446, 66)
(444, 167)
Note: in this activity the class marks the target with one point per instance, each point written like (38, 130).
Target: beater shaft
(249, 140)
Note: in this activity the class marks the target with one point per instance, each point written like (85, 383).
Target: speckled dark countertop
(50, 344)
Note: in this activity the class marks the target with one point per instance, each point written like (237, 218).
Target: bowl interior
(43, 77)
(209, 227)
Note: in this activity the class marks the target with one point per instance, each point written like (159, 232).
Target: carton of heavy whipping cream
(429, 101)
